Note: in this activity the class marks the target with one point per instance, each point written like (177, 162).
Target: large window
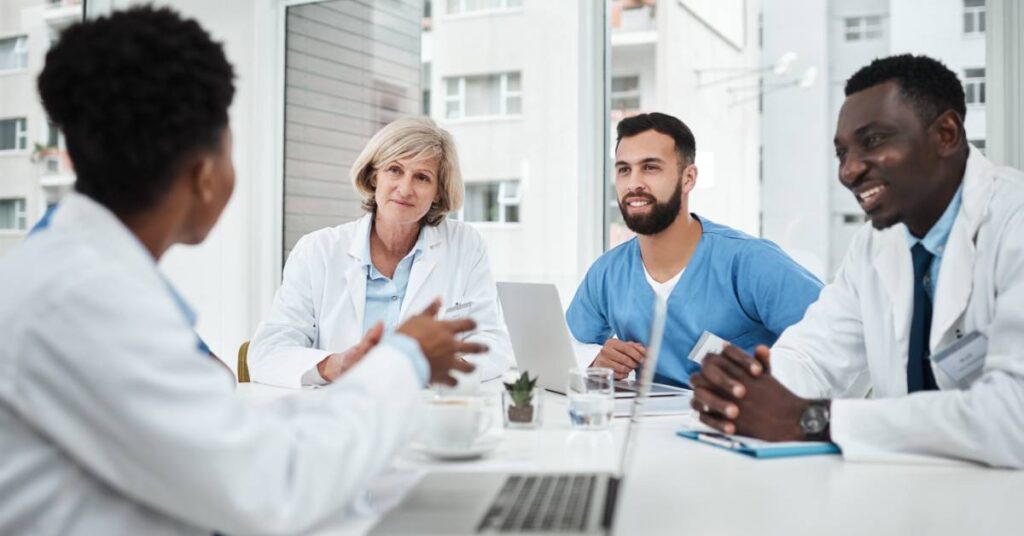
(456, 7)
(867, 28)
(491, 95)
(12, 215)
(13, 53)
(974, 85)
(12, 134)
(974, 17)
(350, 69)
(493, 201)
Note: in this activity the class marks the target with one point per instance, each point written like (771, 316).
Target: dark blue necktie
(919, 367)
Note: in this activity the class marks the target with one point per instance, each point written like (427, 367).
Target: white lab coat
(112, 421)
(319, 308)
(854, 340)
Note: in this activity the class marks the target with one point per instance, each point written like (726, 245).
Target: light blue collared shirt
(384, 299)
(935, 239)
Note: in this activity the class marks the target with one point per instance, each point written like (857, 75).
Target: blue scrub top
(746, 290)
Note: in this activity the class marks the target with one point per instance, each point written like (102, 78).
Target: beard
(660, 216)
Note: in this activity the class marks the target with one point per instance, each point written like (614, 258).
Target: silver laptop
(541, 340)
(524, 503)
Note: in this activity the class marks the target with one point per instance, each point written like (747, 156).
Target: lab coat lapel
(895, 271)
(355, 273)
(953, 289)
(415, 292)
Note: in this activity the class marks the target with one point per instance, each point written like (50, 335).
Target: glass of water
(591, 397)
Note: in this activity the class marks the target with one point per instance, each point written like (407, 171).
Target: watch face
(814, 419)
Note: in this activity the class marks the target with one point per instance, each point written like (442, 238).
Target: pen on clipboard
(721, 440)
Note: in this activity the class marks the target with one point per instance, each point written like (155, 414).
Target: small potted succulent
(521, 401)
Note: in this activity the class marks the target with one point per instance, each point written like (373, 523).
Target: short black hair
(670, 126)
(135, 93)
(928, 85)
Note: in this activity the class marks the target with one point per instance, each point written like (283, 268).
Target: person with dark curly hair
(917, 347)
(116, 420)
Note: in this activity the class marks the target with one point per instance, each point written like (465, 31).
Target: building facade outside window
(625, 95)
(12, 215)
(458, 7)
(13, 53)
(489, 95)
(974, 17)
(491, 201)
(13, 135)
(867, 28)
(974, 86)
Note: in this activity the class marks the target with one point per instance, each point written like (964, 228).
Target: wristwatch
(814, 420)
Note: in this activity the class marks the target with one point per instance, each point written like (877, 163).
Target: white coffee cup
(455, 422)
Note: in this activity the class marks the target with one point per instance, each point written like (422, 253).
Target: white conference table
(677, 486)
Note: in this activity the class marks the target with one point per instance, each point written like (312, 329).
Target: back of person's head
(135, 93)
(686, 145)
(928, 85)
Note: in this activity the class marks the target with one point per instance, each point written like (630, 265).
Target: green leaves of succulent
(522, 390)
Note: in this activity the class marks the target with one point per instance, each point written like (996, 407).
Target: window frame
(977, 15)
(20, 42)
(504, 95)
(862, 29)
(616, 95)
(504, 201)
(20, 216)
(504, 7)
(20, 136)
(975, 86)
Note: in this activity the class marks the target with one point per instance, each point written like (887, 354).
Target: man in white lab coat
(114, 417)
(917, 348)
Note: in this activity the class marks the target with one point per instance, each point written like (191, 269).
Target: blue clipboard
(760, 449)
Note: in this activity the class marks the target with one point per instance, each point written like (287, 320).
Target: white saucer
(484, 444)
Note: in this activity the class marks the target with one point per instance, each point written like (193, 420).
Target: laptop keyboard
(553, 503)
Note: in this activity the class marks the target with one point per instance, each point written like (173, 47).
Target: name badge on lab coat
(964, 360)
(457, 311)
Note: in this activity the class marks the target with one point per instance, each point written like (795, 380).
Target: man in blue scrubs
(717, 279)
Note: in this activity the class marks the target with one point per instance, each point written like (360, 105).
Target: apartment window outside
(974, 17)
(488, 95)
(13, 53)
(13, 135)
(12, 215)
(52, 135)
(974, 86)
(625, 95)
(458, 7)
(493, 201)
(866, 28)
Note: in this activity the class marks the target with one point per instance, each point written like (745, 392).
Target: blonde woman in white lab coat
(114, 417)
(341, 282)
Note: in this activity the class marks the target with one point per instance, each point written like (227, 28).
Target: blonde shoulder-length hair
(419, 138)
